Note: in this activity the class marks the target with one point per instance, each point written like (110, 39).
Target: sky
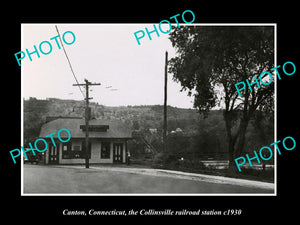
(130, 74)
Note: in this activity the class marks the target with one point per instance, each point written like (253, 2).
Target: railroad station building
(107, 141)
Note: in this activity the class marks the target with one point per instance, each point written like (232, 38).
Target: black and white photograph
(144, 117)
(143, 114)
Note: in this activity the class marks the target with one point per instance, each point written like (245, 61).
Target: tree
(135, 125)
(210, 60)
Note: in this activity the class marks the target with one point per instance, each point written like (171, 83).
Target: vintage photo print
(171, 108)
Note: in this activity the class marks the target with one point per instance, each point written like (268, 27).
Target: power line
(69, 61)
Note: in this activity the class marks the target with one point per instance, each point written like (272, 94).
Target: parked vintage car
(37, 158)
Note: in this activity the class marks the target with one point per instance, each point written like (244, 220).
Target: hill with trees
(188, 131)
(190, 136)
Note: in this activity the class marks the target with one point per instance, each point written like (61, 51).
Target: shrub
(168, 160)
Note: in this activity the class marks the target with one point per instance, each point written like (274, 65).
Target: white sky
(102, 53)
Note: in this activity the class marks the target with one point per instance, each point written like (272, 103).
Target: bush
(266, 175)
(168, 160)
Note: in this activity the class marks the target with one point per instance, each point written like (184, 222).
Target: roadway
(63, 179)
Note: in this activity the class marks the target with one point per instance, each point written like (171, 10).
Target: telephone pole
(87, 118)
(165, 105)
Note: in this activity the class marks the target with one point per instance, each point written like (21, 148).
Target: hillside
(201, 135)
(145, 116)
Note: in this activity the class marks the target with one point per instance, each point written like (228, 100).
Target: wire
(69, 62)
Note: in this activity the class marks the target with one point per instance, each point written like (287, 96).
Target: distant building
(178, 130)
(153, 130)
(107, 138)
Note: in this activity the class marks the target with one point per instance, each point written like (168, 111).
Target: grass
(249, 174)
(196, 166)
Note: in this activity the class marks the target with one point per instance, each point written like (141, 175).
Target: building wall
(95, 152)
(74, 142)
(47, 155)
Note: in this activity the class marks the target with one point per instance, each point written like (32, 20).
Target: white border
(22, 118)
(159, 194)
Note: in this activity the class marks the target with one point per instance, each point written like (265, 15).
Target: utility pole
(165, 105)
(87, 118)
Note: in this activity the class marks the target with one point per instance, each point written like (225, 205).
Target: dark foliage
(212, 59)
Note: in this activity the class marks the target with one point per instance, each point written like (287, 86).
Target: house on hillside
(178, 130)
(107, 141)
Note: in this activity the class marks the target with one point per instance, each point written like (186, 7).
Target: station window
(105, 150)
